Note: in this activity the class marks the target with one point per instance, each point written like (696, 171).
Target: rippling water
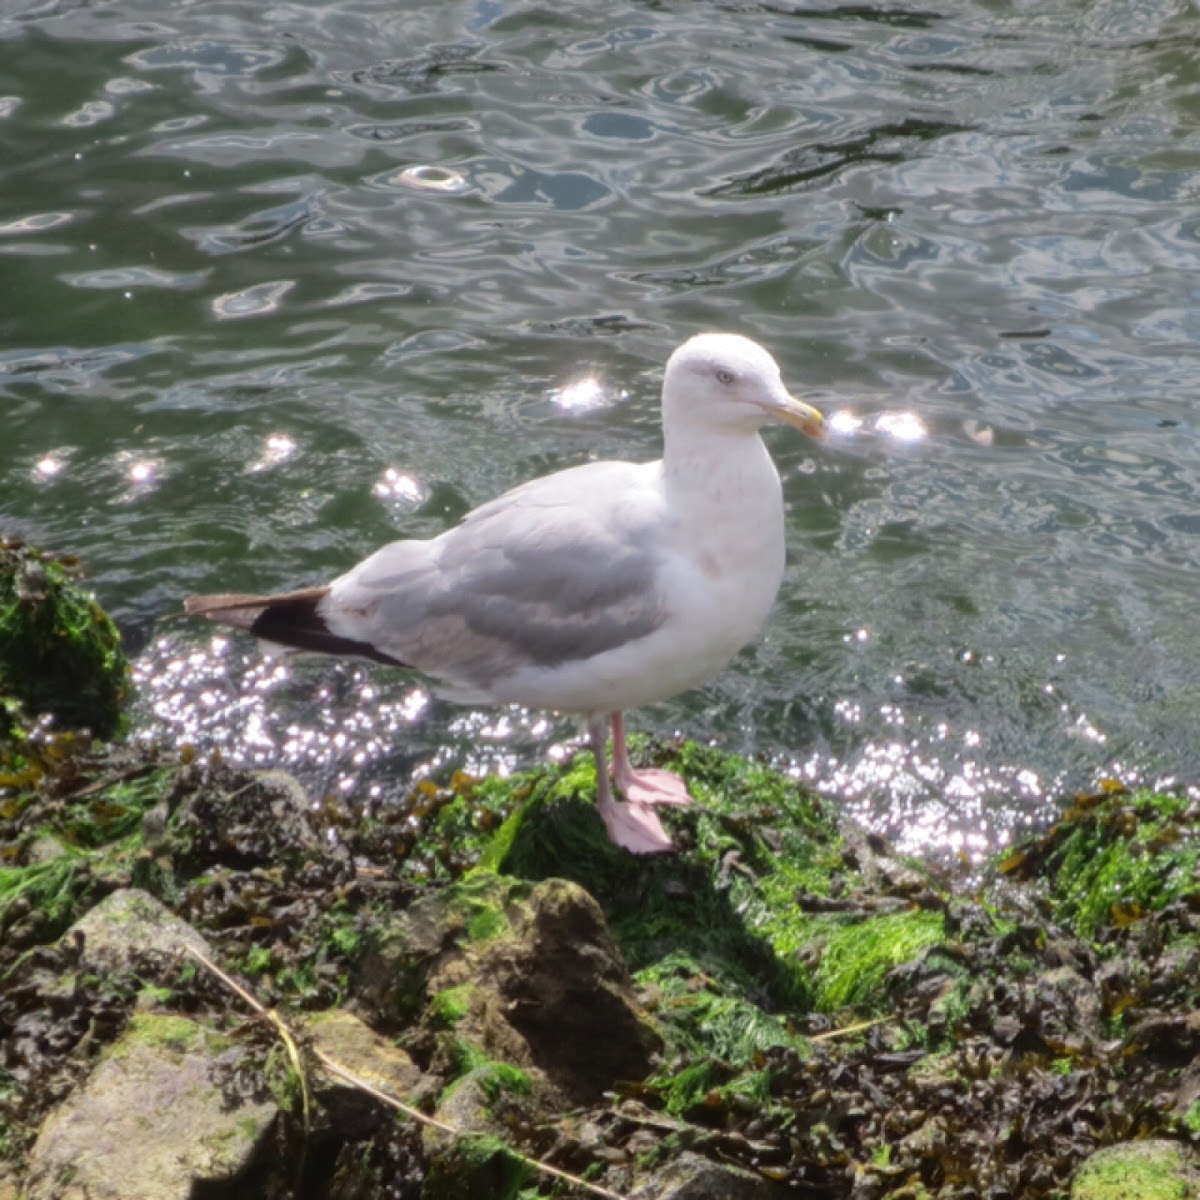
(244, 342)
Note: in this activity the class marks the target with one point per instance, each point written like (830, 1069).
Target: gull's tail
(292, 619)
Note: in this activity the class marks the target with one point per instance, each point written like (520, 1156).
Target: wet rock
(690, 1177)
(1155, 1169)
(1187, 1091)
(370, 1058)
(156, 1119)
(130, 931)
(60, 653)
(1172, 1037)
(486, 1104)
(241, 820)
(524, 973)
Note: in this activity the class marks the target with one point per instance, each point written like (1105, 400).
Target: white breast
(722, 565)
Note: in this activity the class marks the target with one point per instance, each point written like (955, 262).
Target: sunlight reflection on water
(354, 729)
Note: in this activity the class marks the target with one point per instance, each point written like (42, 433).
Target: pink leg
(646, 786)
(634, 827)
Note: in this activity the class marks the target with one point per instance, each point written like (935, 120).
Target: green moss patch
(478, 1165)
(452, 1005)
(1151, 1170)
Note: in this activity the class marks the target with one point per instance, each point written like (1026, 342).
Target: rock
(1186, 1095)
(130, 931)
(691, 1177)
(370, 1058)
(59, 651)
(242, 820)
(484, 1104)
(156, 1120)
(1155, 1169)
(1166, 1037)
(520, 972)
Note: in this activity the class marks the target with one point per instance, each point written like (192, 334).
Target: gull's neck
(724, 504)
(719, 466)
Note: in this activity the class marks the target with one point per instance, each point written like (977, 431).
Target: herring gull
(590, 591)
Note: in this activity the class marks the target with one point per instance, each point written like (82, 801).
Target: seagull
(589, 591)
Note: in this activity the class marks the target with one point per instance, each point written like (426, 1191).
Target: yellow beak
(802, 416)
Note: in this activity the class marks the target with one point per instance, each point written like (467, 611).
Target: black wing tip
(291, 619)
(300, 626)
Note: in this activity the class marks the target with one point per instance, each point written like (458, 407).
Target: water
(240, 349)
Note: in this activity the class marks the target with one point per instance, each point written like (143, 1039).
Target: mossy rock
(749, 823)
(60, 653)
(748, 900)
(163, 1116)
(518, 973)
(1151, 1170)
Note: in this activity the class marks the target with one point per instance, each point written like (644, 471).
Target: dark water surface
(239, 348)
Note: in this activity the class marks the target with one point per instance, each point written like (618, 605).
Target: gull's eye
(724, 376)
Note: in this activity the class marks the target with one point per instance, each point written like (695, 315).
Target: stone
(1155, 1169)
(130, 931)
(524, 973)
(253, 819)
(368, 1056)
(692, 1177)
(155, 1120)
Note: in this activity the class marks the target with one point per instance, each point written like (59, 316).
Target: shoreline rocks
(783, 1007)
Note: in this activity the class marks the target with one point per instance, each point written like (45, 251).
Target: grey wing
(559, 570)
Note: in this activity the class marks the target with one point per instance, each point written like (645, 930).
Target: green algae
(452, 1005)
(854, 957)
(1115, 857)
(749, 844)
(476, 1165)
(1149, 1170)
(749, 928)
(731, 903)
(477, 912)
(180, 1034)
(715, 1038)
(60, 653)
(50, 887)
(499, 1079)
(85, 841)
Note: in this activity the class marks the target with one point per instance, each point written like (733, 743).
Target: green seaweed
(52, 888)
(720, 938)
(60, 653)
(854, 956)
(475, 1165)
(752, 840)
(451, 1006)
(1155, 1170)
(88, 840)
(1113, 858)
(715, 1037)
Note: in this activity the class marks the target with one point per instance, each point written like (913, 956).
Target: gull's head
(724, 381)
